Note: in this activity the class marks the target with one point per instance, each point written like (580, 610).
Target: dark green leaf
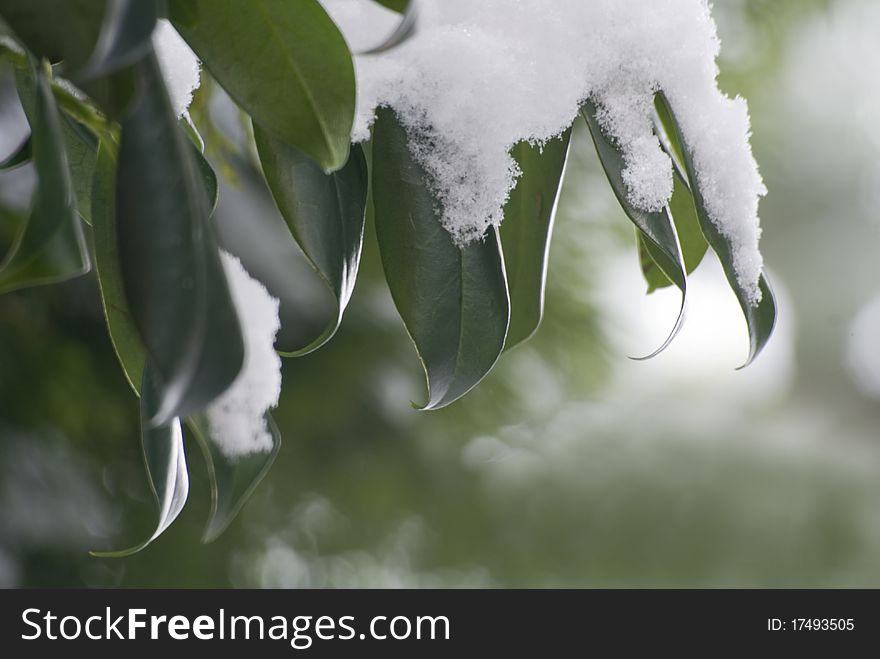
(687, 225)
(395, 5)
(50, 247)
(325, 214)
(232, 481)
(171, 270)
(57, 30)
(453, 300)
(268, 252)
(264, 53)
(526, 230)
(20, 156)
(123, 332)
(165, 462)
(681, 206)
(125, 36)
(656, 229)
(760, 317)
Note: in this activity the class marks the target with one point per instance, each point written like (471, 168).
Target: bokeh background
(570, 465)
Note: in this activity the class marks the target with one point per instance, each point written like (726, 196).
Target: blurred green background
(570, 465)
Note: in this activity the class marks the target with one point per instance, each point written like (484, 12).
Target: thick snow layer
(237, 419)
(179, 64)
(478, 77)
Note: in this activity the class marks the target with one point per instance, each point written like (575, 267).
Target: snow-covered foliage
(478, 77)
(179, 64)
(237, 419)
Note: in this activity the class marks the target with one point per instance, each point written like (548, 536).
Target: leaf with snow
(759, 306)
(478, 78)
(525, 233)
(453, 300)
(656, 229)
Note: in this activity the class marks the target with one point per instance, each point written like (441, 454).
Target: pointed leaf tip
(656, 229)
(453, 300)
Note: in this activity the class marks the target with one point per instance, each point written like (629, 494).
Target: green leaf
(20, 156)
(687, 226)
(125, 36)
(50, 247)
(285, 63)
(57, 30)
(120, 324)
(325, 214)
(453, 300)
(165, 462)
(657, 230)
(232, 481)
(81, 146)
(681, 206)
(399, 6)
(526, 230)
(760, 317)
(172, 275)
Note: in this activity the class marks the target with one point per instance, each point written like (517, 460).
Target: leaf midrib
(307, 92)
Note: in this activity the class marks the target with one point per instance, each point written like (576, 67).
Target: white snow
(237, 419)
(179, 64)
(478, 77)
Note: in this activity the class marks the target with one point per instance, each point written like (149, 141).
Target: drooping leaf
(165, 463)
(526, 230)
(657, 229)
(59, 31)
(285, 63)
(325, 214)
(120, 324)
(453, 300)
(404, 30)
(760, 317)
(268, 252)
(20, 156)
(50, 247)
(693, 244)
(172, 275)
(681, 206)
(232, 481)
(124, 37)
